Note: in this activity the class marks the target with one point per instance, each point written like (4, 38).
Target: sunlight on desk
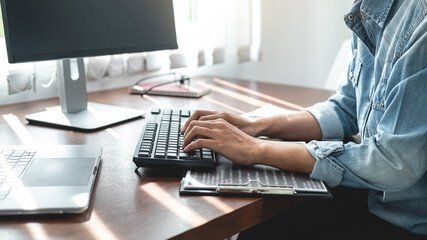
(235, 95)
(113, 133)
(154, 100)
(186, 214)
(98, 229)
(19, 129)
(223, 104)
(37, 231)
(218, 204)
(256, 93)
(102, 119)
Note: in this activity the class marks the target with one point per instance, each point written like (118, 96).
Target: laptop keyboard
(12, 165)
(161, 140)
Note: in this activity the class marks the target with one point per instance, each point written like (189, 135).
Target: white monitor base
(95, 117)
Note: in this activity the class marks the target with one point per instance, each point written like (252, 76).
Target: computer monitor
(70, 30)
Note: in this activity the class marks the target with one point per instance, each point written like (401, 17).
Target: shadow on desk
(160, 174)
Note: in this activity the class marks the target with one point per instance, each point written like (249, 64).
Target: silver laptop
(47, 179)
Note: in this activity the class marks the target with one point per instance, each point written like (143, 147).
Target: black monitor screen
(54, 29)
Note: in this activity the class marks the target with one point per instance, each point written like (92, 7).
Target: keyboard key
(166, 117)
(144, 154)
(145, 149)
(17, 153)
(155, 111)
(183, 155)
(161, 146)
(148, 137)
(11, 159)
(161, 150)
(185, 113)
(25, 158)
(7, 153)
(151, 126)
(167, 112)
(207, 157)
(160, 155)
(172, 148)
(175, 118)
(176, 112)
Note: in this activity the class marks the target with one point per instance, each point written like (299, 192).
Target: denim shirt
(384, 99)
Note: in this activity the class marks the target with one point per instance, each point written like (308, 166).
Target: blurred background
(286, 42)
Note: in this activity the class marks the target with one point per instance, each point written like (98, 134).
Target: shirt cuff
(326, 168)
(328, 120)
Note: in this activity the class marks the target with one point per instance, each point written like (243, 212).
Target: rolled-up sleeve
(327, 117)
(393, 159)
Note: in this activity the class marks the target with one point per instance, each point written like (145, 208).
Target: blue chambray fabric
(384, 99)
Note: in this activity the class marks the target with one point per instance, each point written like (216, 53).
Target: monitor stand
(75, 111)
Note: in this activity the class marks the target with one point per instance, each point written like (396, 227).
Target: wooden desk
(147, 204)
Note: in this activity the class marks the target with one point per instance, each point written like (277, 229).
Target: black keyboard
(160, 144)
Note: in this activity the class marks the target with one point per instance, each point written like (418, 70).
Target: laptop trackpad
(58, 172)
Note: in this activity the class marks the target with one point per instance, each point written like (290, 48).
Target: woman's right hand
(244, 124)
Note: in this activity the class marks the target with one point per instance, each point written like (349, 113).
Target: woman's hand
(222, 137)
(241, 123)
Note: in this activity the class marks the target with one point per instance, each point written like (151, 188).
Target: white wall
(300, 40)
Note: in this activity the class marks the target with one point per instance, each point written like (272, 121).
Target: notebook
(47, 179)
(172, 90)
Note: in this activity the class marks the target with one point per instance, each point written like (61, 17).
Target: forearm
(300, 126)
(287, 156)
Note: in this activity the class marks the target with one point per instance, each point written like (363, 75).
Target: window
(217, 28)
(1, 25)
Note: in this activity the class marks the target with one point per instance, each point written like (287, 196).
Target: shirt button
(350, 17)
(382, 104)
